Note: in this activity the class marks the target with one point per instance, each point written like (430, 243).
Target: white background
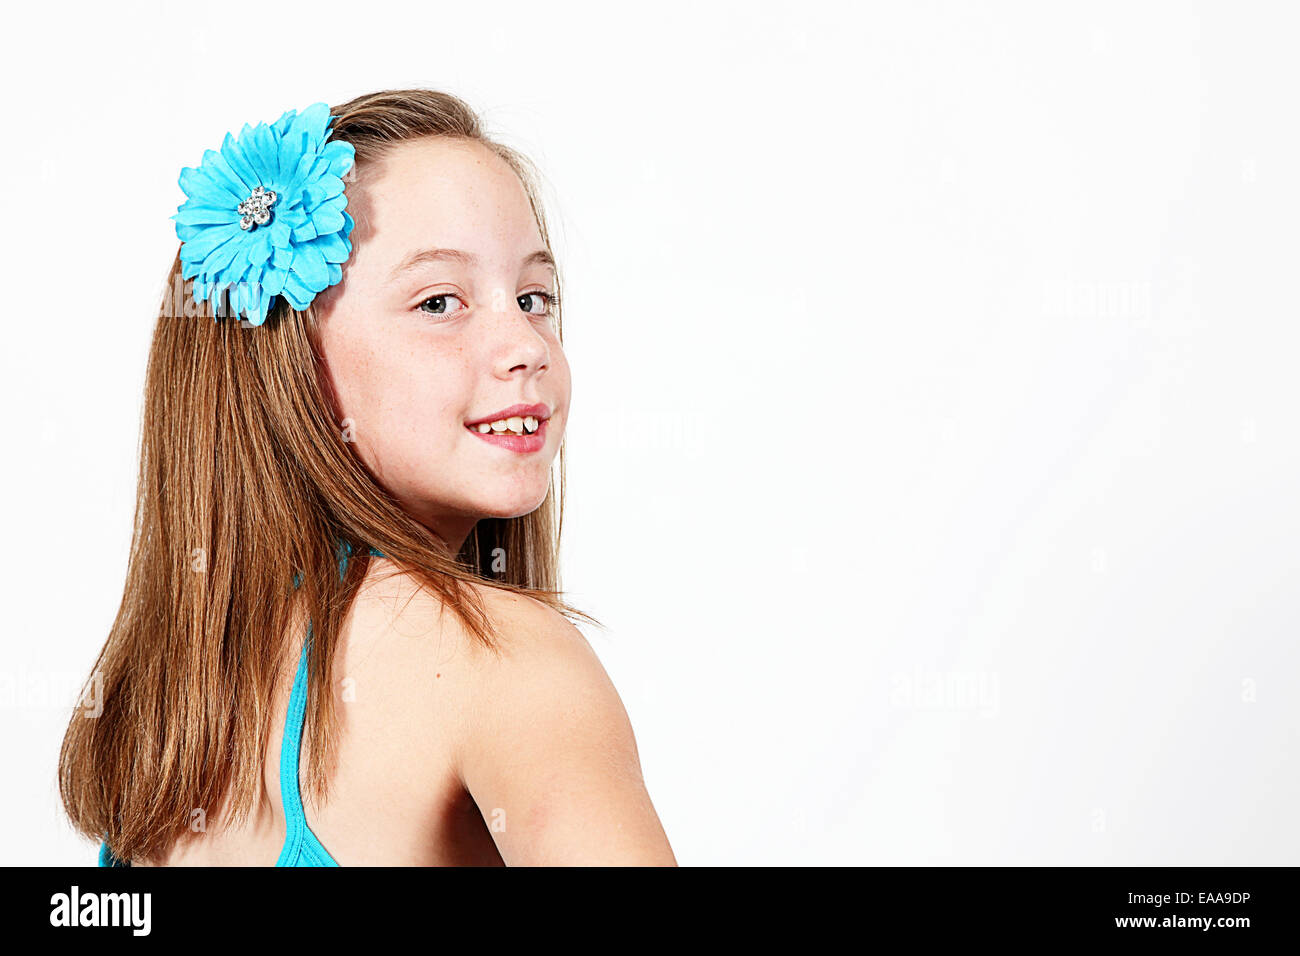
(934, 439)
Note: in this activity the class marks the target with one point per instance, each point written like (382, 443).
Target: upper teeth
(514, 424)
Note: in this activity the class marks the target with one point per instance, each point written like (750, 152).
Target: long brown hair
(247, 487)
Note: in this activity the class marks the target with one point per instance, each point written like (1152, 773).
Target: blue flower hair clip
(265, 215)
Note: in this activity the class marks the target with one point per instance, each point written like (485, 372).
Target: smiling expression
(443, 318)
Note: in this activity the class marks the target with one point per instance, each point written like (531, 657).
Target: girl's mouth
(521, 440)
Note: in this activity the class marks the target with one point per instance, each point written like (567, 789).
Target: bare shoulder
(538, 654)
(538, 734)
(528, 629)
(544, 666)
(533, 633)
(549, 751)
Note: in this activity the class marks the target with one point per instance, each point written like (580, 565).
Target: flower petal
(333, 247)
(198, 184)
(206, 215)
(254, 304)
(238, 265)
(280, 233)
(258, 317)
(185, 233)
(220, 258)
(260, 248)
(273, 280)
(341, 154)
(265, 154)
(327, 187)
(296, 292)
(313, 121)
(293, 216)
(220, 171)
(302, 174)
(328, 217)
(209, 239)
(281, 126)
(234, 154)
(291, 150)
(309, 265)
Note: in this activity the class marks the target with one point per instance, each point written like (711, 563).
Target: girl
(345, 558)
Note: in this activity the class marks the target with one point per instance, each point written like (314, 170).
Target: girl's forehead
(439, 167)
(442, 186)
(389, 255)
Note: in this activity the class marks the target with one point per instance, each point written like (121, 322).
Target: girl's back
(396, 797)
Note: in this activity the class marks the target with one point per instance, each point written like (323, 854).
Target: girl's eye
(548, 303)
(439, 304)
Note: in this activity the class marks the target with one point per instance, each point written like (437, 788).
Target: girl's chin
(517, 510)
(510, 503)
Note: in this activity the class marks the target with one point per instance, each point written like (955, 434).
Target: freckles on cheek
(358, 375)
(404, 394)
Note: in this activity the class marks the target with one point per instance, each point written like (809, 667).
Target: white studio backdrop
(933, 457)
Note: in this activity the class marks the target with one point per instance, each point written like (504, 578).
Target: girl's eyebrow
(421, 256)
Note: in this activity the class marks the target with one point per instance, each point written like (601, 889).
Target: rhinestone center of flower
(256, 209)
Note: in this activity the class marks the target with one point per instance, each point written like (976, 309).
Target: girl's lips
(512, 442)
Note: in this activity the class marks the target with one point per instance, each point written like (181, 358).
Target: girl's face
(443, 319)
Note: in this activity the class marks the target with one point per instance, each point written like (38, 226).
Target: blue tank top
(301, 846)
